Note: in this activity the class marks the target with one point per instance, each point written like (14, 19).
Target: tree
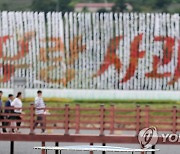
(162, 3)
(43, 5)
(52, 5)
(5, 6)
(103, 10)
(64, 5)
(119, 6)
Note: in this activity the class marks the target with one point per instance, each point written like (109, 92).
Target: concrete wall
(102, 94)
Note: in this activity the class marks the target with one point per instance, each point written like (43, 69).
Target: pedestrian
(17, 104)
(9, 111)
(1, 112)
(40, 111)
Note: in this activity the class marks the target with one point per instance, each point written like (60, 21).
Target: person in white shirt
(17, 104)
(40, 111)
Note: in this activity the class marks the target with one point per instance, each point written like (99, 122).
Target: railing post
(112, 115)
(147, 115)
(174, 129)
(43, 145)
(104, 152)
(91, 152)
(12, 147)
(153, 147)
(102, 122)
(66, 119)
(138, 110)
(77, 118)
(32, 114)
(57, 145)
(44, 122)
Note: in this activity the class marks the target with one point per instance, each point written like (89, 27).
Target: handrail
(103, 118)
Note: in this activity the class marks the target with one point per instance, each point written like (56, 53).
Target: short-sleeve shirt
(17, 103)
(39, 105)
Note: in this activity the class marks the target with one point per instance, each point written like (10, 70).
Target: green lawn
(107, 103)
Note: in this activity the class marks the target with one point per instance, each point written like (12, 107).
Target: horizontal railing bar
(55, 115)
(12, 108)
(89, 116)
(91, 122)
(13, 114)
(161, 123)
(125, 116)
(51, 127)
(124, 122)
(14, 126)
(54, 121)
(88, 109)
(90, 128)
(159, 110)
(160, 117)
(124, 110)
(124, 129)
(54, 108)
(6, 120)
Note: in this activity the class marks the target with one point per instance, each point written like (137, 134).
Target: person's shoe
(4, 131)
(43, 132)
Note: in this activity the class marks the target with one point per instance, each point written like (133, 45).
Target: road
(27, 148)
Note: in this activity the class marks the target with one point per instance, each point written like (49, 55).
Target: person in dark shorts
(9, 111)
(1, 112)
(40, 111)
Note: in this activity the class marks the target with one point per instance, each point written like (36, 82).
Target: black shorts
(18, 117)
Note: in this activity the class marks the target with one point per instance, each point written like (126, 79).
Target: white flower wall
(126, 51)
